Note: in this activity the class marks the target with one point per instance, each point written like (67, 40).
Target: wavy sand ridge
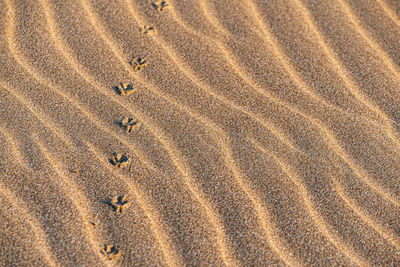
(268, 133)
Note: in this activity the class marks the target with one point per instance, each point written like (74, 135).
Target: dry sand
(257, 133)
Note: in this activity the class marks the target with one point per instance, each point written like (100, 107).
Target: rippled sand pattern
(199, 133)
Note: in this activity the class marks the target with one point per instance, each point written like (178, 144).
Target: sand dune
(267, 134)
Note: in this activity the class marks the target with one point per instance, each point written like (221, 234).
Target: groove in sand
(345, 75)
(331, 140)
(316, 217)
(230, 58)
(74, 193)
(41, 240)
(14, 148)
(389, 12)
(385, 233)
(265, 33)
(261, 212)
(366, 36)
(40, 115)
(206, 11)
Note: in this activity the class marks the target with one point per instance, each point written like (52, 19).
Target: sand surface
(258, 133)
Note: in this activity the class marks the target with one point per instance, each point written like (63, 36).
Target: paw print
(125, 88)
(111, 252)
(120, 160)
(160, 5)
(128, 123)
(138, 63)
(147, 29)
(119, 203)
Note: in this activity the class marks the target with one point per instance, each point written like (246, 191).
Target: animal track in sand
(125, 88)
(160, 5)
(147, 29)
(128, 124)
(120, 160)
(111, 252)
(119, 203)
(138, 63)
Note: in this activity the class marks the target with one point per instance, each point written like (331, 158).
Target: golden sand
(253, 133)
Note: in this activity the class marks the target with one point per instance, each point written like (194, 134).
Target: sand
(199, 133)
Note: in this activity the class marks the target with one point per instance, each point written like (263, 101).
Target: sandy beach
(200, 133)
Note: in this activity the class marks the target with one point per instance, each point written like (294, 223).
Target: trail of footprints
(122, 160)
